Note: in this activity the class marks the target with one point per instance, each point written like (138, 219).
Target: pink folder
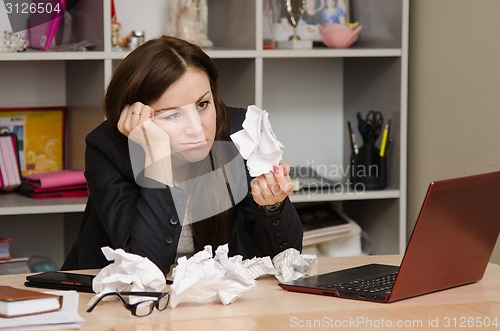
(54, 179)
(43, 25)
(53, 193)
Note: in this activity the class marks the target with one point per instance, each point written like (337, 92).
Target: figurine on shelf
(188, 20)
(115, 29)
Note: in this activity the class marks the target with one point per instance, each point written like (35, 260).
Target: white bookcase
(310, 95)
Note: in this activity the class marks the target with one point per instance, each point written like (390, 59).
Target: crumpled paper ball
(291, 265)
(257, 142)
(127, 270)
(205, 278)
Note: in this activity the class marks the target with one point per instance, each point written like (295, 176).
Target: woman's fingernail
(276, 169)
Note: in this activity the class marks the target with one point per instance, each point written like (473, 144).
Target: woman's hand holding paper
(272, 187)
(258, 145)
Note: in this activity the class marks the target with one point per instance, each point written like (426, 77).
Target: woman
(167, 88)
(312, 11)
(334, 12)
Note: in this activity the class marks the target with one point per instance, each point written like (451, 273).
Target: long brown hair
(143, 76)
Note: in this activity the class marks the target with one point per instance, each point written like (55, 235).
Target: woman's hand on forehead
(132, 116)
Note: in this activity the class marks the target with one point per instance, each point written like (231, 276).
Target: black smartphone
(61, 280)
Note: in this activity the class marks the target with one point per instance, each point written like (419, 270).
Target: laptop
(451, 244)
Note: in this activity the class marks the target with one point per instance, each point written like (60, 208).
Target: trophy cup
(294, 11)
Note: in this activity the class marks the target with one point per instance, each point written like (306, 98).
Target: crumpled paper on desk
(204, 278)
(257, 142)
(127, 270)
(291, 265)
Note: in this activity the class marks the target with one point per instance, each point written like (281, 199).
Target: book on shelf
(60, 183)
(323, 220)
(54, 193)
(8, 264)
(10, 170)
(5, 248)
(16, 302)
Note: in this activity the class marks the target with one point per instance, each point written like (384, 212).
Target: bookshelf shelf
(16, 204)
(367, 195)
(216, 53)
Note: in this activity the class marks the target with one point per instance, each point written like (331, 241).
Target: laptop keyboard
(371, 285)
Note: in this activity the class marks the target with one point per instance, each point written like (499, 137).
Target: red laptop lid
(454, 236)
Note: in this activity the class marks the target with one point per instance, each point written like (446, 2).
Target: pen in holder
(369, 168)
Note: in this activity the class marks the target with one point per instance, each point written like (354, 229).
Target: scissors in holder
(371, 126)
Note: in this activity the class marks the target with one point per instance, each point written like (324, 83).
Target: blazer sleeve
(270, 233)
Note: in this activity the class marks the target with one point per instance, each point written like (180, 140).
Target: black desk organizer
(368, 168)
(368, 165)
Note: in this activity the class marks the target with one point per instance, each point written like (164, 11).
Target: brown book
(15, 302)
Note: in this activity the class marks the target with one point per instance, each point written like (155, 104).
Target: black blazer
(144, 221)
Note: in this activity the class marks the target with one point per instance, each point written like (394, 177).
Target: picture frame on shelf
(326, 11)
(334, 11)
(312, 11)
(316, 12)
(40, 134)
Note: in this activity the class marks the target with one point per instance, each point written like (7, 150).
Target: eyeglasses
(141, 308)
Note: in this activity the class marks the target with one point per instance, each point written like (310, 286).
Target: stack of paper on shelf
(322, 222)
(343, 244)
(10, 171)
(15, 302)
(61, 183)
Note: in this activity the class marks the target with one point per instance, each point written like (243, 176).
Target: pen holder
(369, 168)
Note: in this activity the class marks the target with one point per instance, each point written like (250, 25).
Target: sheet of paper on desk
(257, 142)
(66, 318)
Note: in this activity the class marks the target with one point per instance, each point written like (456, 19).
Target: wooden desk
(268, 307)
